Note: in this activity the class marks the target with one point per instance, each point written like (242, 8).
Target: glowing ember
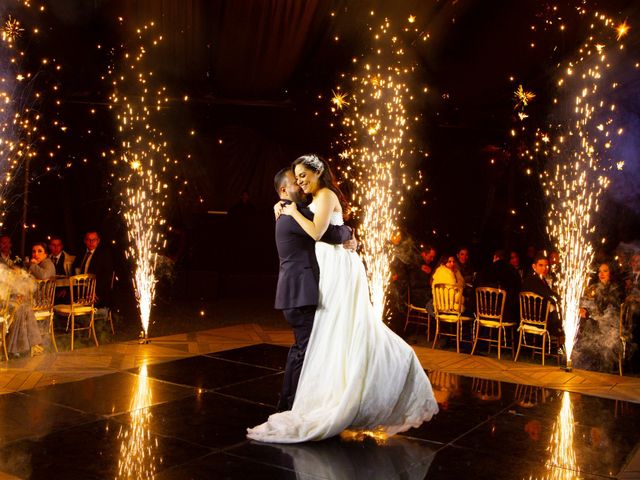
(135, 101)
(375, 141)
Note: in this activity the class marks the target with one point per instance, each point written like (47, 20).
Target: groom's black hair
(278, 180)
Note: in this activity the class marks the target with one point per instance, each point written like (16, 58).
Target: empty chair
(42, 305)
(447, 304)
(534, 315)
(490, 316)
(417, 315)
(82, 295)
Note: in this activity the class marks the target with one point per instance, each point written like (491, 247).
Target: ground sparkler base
(143, 339)
(568, 367)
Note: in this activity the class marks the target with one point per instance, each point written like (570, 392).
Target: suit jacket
(299, 272)
(101, 265)
(65, 264)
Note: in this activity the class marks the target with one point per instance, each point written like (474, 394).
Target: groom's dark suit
(297, 290)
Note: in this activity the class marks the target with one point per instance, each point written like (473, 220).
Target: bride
(357, 373)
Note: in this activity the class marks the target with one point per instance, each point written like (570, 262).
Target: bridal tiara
(315, 163)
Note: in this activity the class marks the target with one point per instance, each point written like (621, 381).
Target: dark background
(259, 75)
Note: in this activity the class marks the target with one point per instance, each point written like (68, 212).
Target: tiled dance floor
(186, 418)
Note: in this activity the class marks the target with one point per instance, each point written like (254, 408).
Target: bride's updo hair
(316, 164)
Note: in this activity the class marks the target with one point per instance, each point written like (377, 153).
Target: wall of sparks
(29, 91)
(579, 161)
(376, 146)
(141, 163)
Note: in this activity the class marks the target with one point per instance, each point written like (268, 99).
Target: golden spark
(622, 30)
(11, 30)
(339, 99)
(523, 96)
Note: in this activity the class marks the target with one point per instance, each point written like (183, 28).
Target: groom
(297, 290)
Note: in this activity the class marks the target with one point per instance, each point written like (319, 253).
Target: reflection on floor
(186, 418)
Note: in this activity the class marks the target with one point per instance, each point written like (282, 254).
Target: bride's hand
(289, 209)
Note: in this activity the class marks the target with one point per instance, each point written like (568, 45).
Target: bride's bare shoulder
(329, 196)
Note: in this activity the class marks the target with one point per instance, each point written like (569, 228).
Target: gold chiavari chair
(42, 305)
(490, 315)
(534, 315)
(418, 316)
(82, 295)
(448, 304)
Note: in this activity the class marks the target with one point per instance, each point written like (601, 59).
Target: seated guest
(447, 273)
(40, 266)
(598, 341)
(632, 280)
(61, 259)
(464, 265)
(514, 260)
(6, 256)
(420, 277)
(97, 260)
(502, 275)
(536, 282)
(24, 332)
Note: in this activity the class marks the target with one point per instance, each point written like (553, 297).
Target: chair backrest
(44, 295)
(534, 309)
(447, 299)
(490, 303)
(68, 263)
(83, 289)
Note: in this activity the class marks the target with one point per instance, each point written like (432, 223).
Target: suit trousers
(301, 321)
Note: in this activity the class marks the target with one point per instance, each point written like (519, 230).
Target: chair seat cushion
(450, 317)
(532, 329)
(42, 314)
(77, 310)
(494, 323)
(417, 309)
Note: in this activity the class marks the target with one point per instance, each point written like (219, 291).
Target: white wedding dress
(357, 373)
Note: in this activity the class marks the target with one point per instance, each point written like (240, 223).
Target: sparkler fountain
(576, 181)
(375, 142)
(136, 102)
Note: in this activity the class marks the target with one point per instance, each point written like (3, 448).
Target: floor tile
(263, 355)
(263, 390)
(452, 463)
(337, 458)
(206, 419)
(23, 416)
(204, 372)
(110, 394)
(221, 465)
(599, 446)
(96, 451)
